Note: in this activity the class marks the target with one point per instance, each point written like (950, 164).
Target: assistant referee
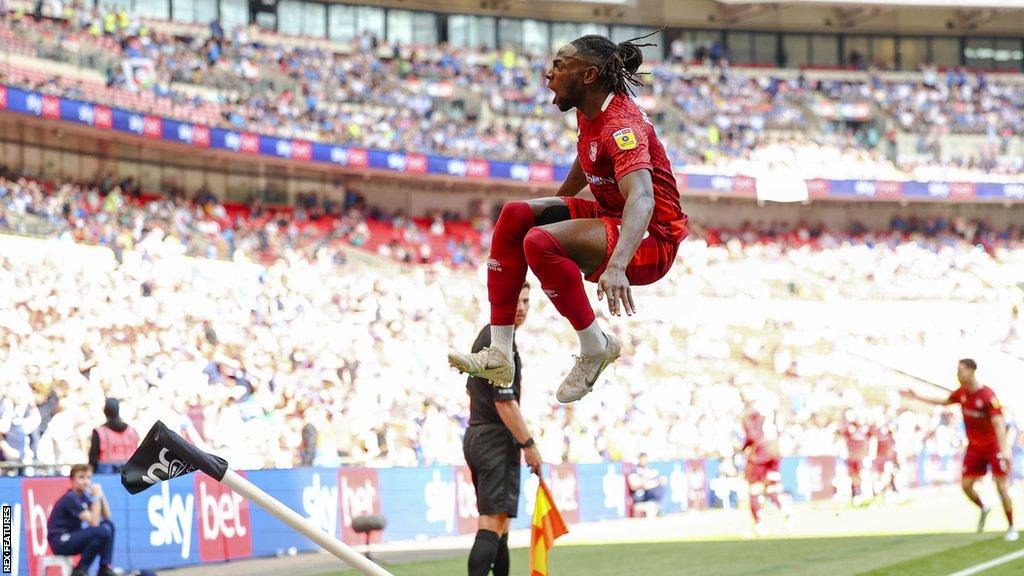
(492, 443)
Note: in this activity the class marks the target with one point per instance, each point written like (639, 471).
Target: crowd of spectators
(494, 103)
(242, 354)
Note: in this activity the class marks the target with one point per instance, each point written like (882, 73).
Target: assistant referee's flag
(547, 526)
(164, 455)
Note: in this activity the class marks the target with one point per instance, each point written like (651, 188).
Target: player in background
(987, 445)
(762, 473)
(887, 465)
(856, 434)
(627, 236)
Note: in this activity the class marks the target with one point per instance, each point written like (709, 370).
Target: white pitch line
(978, 568)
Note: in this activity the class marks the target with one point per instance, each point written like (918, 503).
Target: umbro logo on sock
(493, 265)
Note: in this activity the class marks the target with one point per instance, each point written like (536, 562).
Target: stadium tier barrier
(106, 118)
(194, 519)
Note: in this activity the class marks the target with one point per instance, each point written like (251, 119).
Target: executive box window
(945, 52)
(347, 22)
(234, 13)
(466, 31)
(153, 8)
(529, 35)
(797, 50)
(1002, 54)
(407, 27)
(825, 51)
(194, 11)
(913, 52)
(302, 18)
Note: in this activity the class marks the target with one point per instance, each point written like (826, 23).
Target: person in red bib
(987, 447)
(113, 443)
(627, 236)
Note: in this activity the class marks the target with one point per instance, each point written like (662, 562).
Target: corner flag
(164, 455)
(547, 526)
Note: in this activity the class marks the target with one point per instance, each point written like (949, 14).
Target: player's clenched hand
(533, 459)
(615, 286)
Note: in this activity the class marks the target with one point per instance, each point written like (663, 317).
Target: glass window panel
(858, 51)
(289, 17)
(181, 11)
(314, 19)
(764, 47)
(342, 22)
(424, 29)
(205, 11)
(535, 35)
(825, 50)
(510, 33)
(945, 52)
(913, 52)
(562, 33)
(234, 13)
(883, 52)
(1008, 54)
(153, 8)
(796, 49)
(126, 4)
(740, 47)
(370, 20)
(978, 52)
(471, 31)
(400, 26)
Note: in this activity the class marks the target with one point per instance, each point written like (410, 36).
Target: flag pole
(292, 518)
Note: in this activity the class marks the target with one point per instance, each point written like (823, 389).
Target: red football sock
(559, 276)
(755, 507)
(773, 497)
(1009, 516)
(506, 267)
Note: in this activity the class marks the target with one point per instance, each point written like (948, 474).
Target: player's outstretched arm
(907, 393)
(638, 190)
(999, 425)
(575, 182)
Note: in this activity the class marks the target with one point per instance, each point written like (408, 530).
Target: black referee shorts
(493, 458)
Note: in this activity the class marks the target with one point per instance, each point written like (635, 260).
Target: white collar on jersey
(607, 101)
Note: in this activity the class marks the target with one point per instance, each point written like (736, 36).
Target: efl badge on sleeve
(625, 139)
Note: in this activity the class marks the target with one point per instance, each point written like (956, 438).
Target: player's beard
(569, 96)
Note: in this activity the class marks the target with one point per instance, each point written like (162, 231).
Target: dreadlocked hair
(619, 63)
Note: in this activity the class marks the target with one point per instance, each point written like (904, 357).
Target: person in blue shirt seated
(80, 524)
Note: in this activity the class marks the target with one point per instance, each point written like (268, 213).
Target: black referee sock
(481, 557)
(501, 563)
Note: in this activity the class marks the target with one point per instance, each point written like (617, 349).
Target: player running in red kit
(627, 237)
(857, 435)
(887, 464)
(987, 447)
(762, 469)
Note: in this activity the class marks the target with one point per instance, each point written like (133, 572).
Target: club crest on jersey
(625, 139)
(593, 151)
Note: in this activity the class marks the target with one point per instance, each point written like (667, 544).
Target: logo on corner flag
(625, 139)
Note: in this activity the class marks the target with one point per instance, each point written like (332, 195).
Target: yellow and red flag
(547, 526)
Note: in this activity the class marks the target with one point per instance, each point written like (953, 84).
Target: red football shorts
(854, 466)
(759, 472)
(653, 258)
(978, 463)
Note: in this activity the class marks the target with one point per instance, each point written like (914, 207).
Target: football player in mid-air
(627, 237)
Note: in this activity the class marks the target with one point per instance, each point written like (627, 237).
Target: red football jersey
(760, 447)
(858, 440)
(979, 407)
(886, 442)
(619, 140)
